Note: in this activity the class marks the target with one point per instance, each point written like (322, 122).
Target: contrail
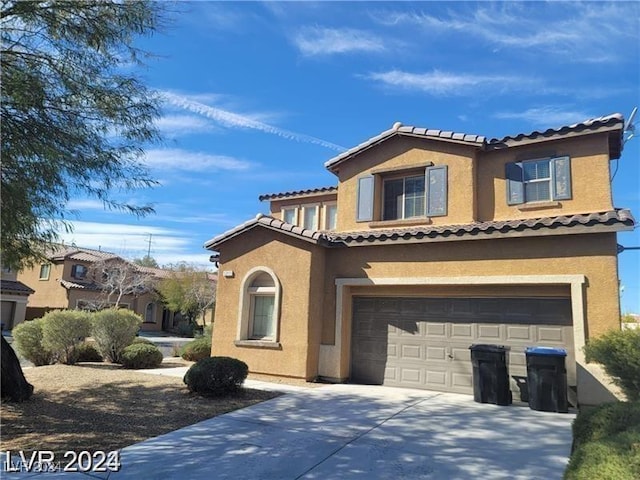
(231, 119)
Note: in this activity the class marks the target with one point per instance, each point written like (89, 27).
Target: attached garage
(424, 342)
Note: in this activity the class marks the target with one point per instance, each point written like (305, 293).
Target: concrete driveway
(355, 431)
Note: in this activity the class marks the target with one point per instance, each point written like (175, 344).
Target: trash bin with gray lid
(547, 379)
(490, 374)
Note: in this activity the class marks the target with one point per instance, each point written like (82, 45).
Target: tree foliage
(146, 261)
(188, 290)
(73, 120)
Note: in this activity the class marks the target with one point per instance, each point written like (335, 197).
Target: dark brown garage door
(424, 342)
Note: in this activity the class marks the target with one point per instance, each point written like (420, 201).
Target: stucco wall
(590, 255)
(591, 189)
(476, 183)
(299, 272)
(48, 293)
(401, 152)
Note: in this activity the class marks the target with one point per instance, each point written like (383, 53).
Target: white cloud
(546, 116)
(236, 120)
(131, 241)
(444, 83)
(184, 160)
(327, 41)
(177, 125)
(578, 32)
(85, 204)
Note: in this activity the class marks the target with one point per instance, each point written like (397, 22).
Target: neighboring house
(14, 296)
(432, 241)
(67, 280)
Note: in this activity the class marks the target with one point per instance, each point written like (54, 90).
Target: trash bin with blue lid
(490, 374)
(547, 379)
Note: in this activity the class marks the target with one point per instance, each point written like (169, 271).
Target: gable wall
(48, 293)
(299, 268)
(402, 152)
(591, 189)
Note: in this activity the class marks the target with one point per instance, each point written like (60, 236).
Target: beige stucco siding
(276, 206)
(48, 293)
(405, 152)
(590, 255)
(298, 266)
(591, 189)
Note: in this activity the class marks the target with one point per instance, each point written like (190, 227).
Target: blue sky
(257, 96)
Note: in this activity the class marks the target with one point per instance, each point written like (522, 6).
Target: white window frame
(404, 189)
(245, 310)
(549, 180)
(325, 215)
(310, 206)
(295, 214)
(44, 277)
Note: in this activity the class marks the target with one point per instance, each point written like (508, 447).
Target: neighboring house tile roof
(62, 252)
(82, 286)
(614, 122)
(616, 219)
(297, 193)
(269, 223)
(612, 220)
(13, 286)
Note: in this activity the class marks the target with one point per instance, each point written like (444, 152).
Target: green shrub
(87, 352)
(63, 331)
(141, 355)
(216, 376)
(606, 443)
(606, 420)
(186, 329)
(196, 350)
(619, 353)
(141, 340)
(616, 457)
(113, 330)
(27, 337)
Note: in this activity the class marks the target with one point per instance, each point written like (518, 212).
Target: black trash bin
(547, 379)
(490, 374)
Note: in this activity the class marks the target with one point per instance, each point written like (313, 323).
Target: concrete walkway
(356, 431)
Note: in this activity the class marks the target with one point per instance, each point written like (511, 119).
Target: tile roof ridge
(292, 193)
(595, 122)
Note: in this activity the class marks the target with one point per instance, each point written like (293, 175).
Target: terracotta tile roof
(592, 124)
(61, 252)
(271, 223)
(297, 193)
(613, 123)
(617, 219)
(399, 129)
(82, 286)
(613, 220)
(13, 286)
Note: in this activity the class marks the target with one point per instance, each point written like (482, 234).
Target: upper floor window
(310, 217)
(79, 271)
(330, 216)
(290, 215)
(404, 198)
(410, 196)
(538, 180)
(45, 270)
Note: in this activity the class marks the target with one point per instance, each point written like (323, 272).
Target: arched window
(150, 313)
(260, 306)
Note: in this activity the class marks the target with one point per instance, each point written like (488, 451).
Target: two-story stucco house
(431, 241)
(66, 280)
